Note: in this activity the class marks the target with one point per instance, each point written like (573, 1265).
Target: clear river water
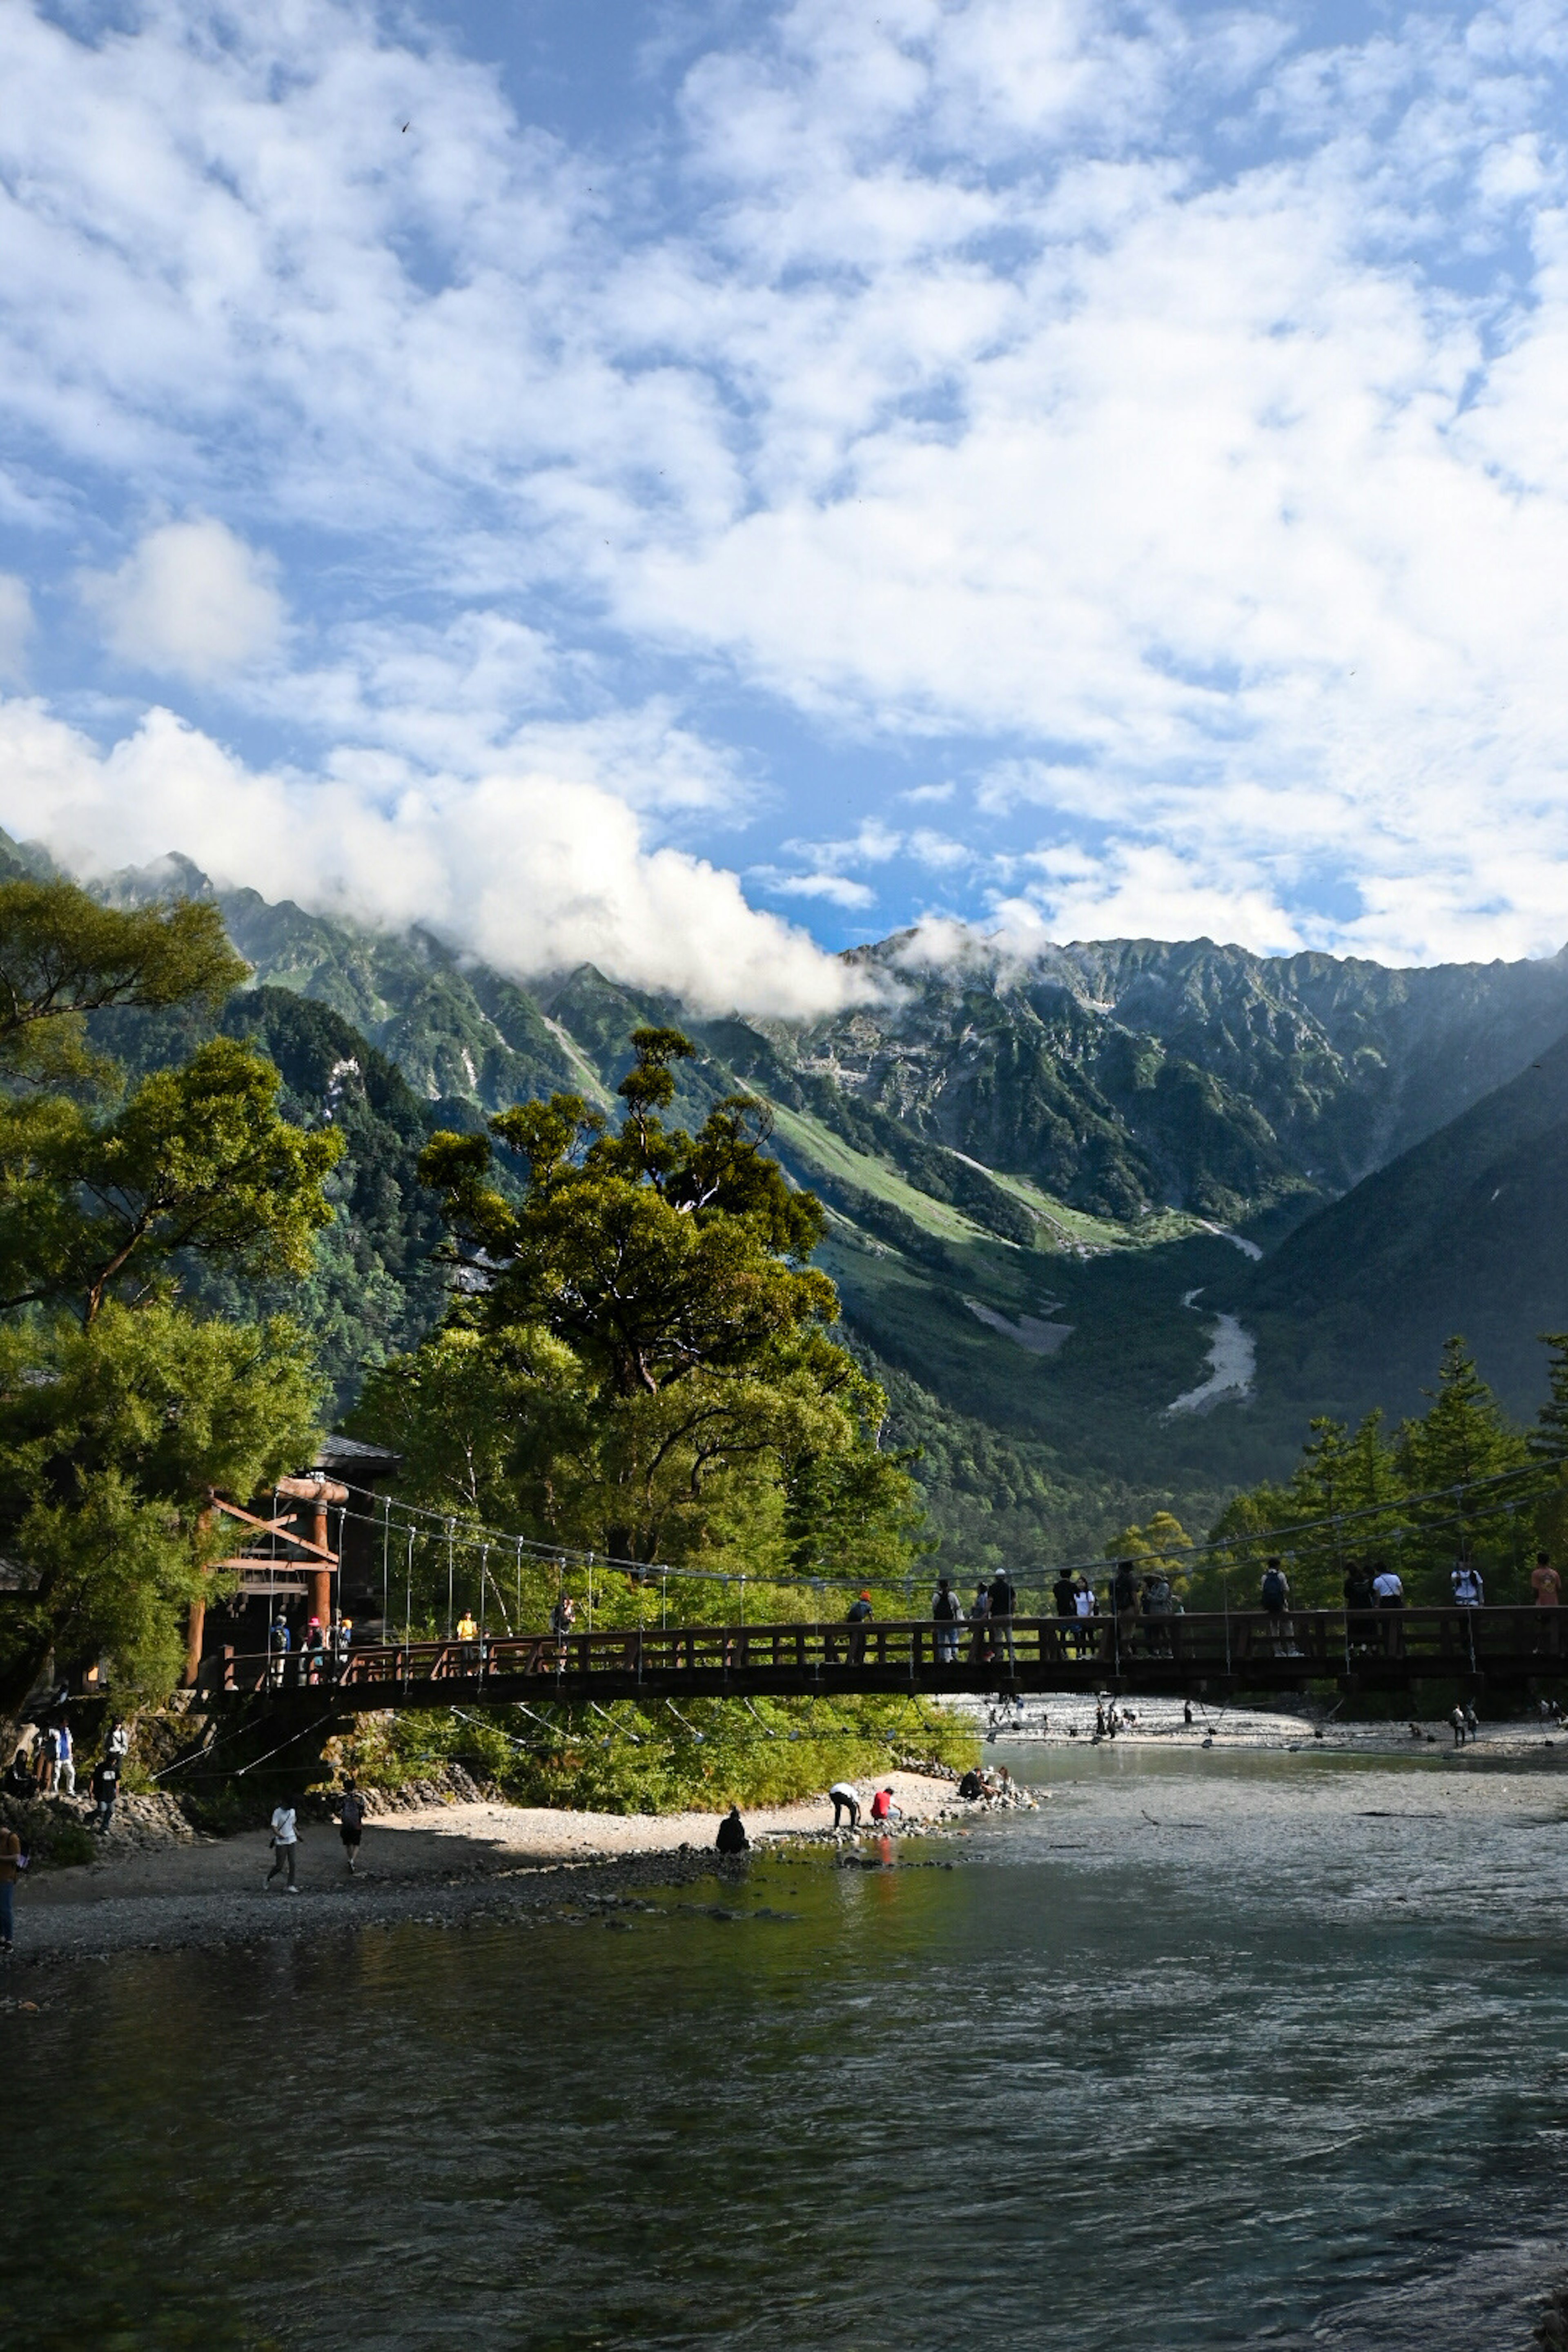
(1213, 2050)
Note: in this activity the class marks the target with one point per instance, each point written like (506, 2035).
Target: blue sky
(700, 486)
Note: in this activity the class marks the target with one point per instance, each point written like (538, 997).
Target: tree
(63, 956)
(111, 1438)
(196, 1160)
(119, 1410)
(637, 1358)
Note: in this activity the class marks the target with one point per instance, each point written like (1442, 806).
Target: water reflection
(1211, 2051)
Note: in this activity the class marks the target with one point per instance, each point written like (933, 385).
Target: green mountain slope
(1029, 1170)
(1468, 1232)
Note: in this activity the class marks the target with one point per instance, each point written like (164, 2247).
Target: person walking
(285, 1838)
(351, 1822)
(279, 1640)
(65, 1761)
(731, 1837)
(561, 1619)
(14, 1860)
(1004, 1600)
(947, 1611)
(845, 1800)
(315, 1650)
(1472, 1721)
(105, 1789)
(342, 1642)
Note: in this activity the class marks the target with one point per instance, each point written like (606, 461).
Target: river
(1214, 2050)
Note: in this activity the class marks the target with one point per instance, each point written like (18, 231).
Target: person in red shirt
(1546, 1582)
(882, 1806)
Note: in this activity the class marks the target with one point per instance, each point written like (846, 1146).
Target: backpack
(1274, 1589)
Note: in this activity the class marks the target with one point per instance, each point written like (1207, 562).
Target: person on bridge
(1545, 1583)
(731, 1837)
(342, 1642)
(1124, 1596)
(561, 1618)
(1274, 1595)
(846, 1800)
(1064, 1592)
(859, 1612)
(469, 1634)
(1465, 1578)
(1003, 1601)
(980, 1618)
(1388, 1598)
(315, 1650)
(279, 1641)
(1359, 1604)
(947, 1610)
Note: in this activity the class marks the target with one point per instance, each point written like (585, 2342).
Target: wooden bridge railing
(1250, 1647)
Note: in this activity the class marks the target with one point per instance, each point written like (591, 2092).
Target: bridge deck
(1211, 1655)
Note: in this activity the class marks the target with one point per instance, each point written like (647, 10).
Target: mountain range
(1110, 1223)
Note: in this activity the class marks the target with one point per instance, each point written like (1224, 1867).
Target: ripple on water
(1210, 2051)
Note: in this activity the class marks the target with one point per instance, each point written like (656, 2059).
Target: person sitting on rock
(731, 1837)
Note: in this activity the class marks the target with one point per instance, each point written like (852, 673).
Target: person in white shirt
(285, 1838)
(1466, 1579)
(65, 1762)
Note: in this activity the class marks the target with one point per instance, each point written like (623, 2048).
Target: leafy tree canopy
(63, 955)
(638, 1360)
(109, 1439)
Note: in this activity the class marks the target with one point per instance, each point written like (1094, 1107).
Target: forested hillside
(1043, 1181)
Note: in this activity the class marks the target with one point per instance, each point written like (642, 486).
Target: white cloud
(532, 870)
(15, 627)
(1162, 402)
(837, 890)
(192, 600)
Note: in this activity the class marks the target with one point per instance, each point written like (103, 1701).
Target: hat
(865, 1594)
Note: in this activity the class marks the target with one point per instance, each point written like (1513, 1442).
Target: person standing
(859, 1613)
(351, 1822)
(279, 1641)
(45, 1761)
(285, 1838)
(1124, 1596)
(845, 1800)
(561, 1618)
(118, 1743)
(947, 1611)
(1388, 1598)
(1274, 1596)
(1004, 1600)
(469, 1634)
(342, 1642)
(1456, 1720)
(315, 1650)
(1545, 1583)
(1064, 1593)
(65, 1761)
(13, 1862)
(980, 1618)
(105, 1789)
(1465, 1579)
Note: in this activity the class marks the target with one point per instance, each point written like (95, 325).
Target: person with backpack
(947, 1613)
(105, 1789)
(285, 1838)
(1274, 1595)
(1003, 1601)
(1465, 1579)
(859, 1613)
(351, 1822)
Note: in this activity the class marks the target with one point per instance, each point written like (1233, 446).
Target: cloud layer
(1140, 437)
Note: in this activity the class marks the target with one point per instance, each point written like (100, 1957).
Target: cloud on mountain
(1151, 424)
(536, 869)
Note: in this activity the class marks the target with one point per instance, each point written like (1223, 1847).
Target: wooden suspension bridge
(1213, 1657)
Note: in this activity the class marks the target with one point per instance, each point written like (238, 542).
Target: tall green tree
(121, 1409)
(638, 1360)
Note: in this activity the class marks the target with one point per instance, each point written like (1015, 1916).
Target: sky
(697, 487)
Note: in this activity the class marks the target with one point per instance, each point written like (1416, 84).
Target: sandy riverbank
(440, 1862)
